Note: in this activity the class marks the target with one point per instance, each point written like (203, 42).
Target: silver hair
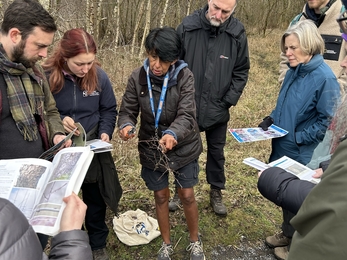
(310, 40)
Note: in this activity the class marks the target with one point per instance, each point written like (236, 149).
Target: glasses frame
(342, 21)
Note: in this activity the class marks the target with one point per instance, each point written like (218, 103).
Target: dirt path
(244, 251)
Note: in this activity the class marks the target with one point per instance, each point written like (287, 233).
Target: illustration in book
(37, 186)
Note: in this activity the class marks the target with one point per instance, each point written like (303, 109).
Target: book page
(286, 163)
(296, 168)
(79, 140)
(67, 173)
(255, 163)
(51, 152)
(21, 181)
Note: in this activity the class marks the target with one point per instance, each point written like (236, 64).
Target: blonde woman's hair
(310, 40)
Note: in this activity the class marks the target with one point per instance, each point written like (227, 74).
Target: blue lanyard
(162, 98)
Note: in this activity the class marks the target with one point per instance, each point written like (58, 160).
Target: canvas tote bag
(135, 227)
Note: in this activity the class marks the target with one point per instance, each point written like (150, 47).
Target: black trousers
(95, 215)
(43, 240)
(287, 228)
(216, 139)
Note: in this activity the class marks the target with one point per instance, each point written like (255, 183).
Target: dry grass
(250, 216)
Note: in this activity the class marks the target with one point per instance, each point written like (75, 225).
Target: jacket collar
(303, 69)
(318, 18)
(198, 20)
(173, 73)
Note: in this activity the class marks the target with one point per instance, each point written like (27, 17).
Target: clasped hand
(125, 133)
(167, 142)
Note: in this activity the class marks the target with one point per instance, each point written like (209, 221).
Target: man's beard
(217, 23)
(18, 56)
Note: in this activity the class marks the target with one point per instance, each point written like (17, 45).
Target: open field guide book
(286, 163)
(37, 186)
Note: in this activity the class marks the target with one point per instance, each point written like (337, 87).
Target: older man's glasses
(342, 21)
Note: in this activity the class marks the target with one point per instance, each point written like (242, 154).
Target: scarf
(25, 96)
(318, 18)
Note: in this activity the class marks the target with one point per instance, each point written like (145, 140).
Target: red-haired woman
(84, 94)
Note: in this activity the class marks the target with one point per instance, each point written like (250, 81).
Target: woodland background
(119, 27)
(116, 23)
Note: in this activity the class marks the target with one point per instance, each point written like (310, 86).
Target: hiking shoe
(175, 202)
(277, 240)
(100, 254)
(196, 250)
(164, 252)
(216, 202)
(281, 253)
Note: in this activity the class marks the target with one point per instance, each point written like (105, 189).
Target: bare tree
(147, 26)
(188, 7)
(89, 22)
(97, 19)
(45, 3)
(139, 18)
(270, 6)
(102, 18)
(116, 14)
(163, 14)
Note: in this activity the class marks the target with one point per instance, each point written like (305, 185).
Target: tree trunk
(148, 24)
(163, 15)
(139, 18)
(116, 14)
(188, 7)
(98, 17)
(88, 21)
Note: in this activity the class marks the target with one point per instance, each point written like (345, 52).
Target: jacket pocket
(332, 46)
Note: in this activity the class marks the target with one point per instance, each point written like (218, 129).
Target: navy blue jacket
(98, 107)
(305, 106)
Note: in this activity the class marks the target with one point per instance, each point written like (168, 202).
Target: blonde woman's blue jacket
(305, 106)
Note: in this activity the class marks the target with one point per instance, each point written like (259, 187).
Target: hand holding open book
(37, 187)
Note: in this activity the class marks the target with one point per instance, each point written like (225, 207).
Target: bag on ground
(135, 227)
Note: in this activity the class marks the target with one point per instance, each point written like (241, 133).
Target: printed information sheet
(286, 163)
(243, 135)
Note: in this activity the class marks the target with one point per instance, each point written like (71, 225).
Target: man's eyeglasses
(342, 21)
